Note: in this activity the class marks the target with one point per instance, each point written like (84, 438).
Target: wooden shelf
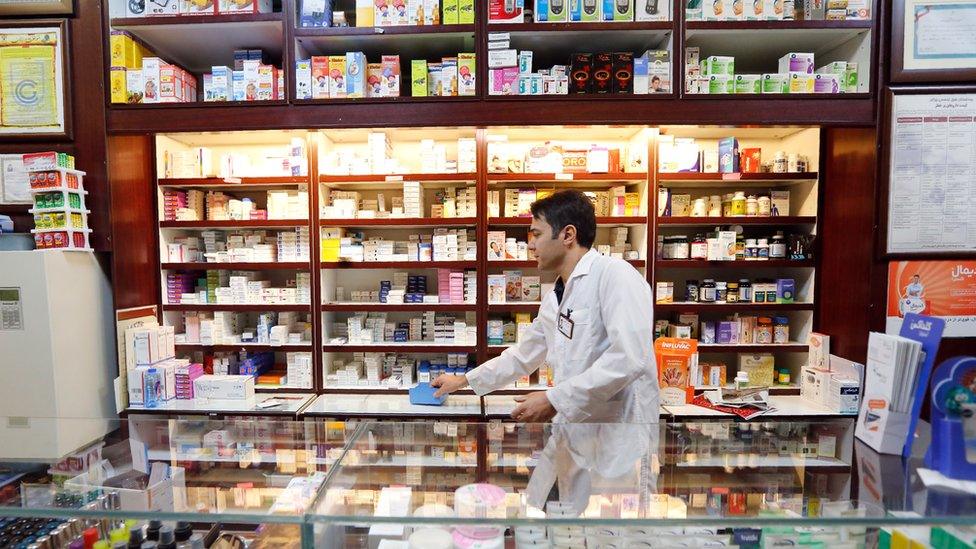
(764, 176)
(234, 182)
(283, 266)
(699, 264)
(781, 220)
(695, 307)
(257, 307)
(778, 25)
(404, 222)
(401, 265)
(571, 28)
(427, 30)
(750, 348)
(600, 221)
(244, 347)
(397, 178)
(533, 264)
(199, 42)
(568, 177)
(395, 307)
(528, 307)
(236, 224)
(408, 347)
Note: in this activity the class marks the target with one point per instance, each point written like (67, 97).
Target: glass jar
(762, 251)
(739, 204)
(781, 330)
(764, 205)
(699, 247)
(732, 295)
(682, 249)
(764, 330)
(706, 292)
(691, 291)
(777, 248)
(784, 376)
(752, 206)
(721, 291)
(745, 290)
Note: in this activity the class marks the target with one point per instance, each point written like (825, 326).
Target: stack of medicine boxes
(60, 217)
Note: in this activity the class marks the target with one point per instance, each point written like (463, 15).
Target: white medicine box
(148, 9)
(245, 6)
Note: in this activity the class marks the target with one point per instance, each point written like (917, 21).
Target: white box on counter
(223, 387)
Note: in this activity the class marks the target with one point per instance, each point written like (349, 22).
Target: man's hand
(448, 384)
(533, 408)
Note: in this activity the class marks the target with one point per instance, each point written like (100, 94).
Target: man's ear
(569, 235)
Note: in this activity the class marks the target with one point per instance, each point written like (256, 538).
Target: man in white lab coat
(595, 332)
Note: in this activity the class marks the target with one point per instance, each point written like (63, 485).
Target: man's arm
(625, 305)
(519, 360)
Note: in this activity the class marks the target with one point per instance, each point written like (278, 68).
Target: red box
(574, 161)
(750, 160)
(602, 73)
(623, 72)
(581, 73)
(505, 11)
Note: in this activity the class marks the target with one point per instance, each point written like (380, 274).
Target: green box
(592, 17)
(450, 15)
(776, 83)
(721, 83)
(748, 83)
(718, 64)
(850, 78)
(466, 12)
(418, 78)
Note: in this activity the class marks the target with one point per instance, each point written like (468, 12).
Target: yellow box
(759, 368)
(120, 46)
(632, 204)
(117, 84)
(364, 13)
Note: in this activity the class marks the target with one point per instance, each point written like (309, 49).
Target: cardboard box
(466, 12)
(150, 79)
(623, 73)
(653, 10)
(591, 11)
(558, 11)
(502, 81)
(721, 84)
(316, 13)
(728, 155)
(581, 73)
(383, 13)
(320, 77)
(759, 367)
(775, 83)
(718, 65)
(355, 74)
(303, 79)
(602, 72)
(117, 85)
(135, 86)
(390, 65)
(449, 76)
(337, 76)
(618, 10)
(499, 59)
(418, 78)
(505, 11)
(796, 62)
(223, 387)
(467, 72)
(801, 82)
(198, 7)
(245, 6)
(748, 83)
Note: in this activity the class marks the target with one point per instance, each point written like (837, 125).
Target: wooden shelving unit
(235, 224)
(283, 266)
(777, 221)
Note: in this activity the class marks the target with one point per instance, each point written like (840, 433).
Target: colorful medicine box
(337, 76)
(467, 72)
(450, 12)
(796, 62)
(303, 79)
(721, 83)
(245, 6)
(390, 65)
(418, 78)
(801, 82)
(466, 12)
(718, 64)
(775, 83)
(320, 77)
(748, 83)
(197, 7)
(355, 74)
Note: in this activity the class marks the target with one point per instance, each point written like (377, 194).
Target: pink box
(503, 81)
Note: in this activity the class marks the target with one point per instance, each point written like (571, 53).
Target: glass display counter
(282, 483)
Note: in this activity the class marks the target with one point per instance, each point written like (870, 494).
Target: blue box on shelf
(423, 394)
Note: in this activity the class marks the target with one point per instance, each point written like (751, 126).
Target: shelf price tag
(233, 180)
(394, 178)
(564, 177)
(731, 176)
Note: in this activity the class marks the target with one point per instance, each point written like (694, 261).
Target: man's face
(549, 251)
(915, 279)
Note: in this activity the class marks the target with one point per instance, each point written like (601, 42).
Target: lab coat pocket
(582, 329)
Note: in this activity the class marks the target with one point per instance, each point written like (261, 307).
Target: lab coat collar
(583, 265)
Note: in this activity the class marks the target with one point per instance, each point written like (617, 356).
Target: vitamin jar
(732, 293)
(781, 330)
(764, 330)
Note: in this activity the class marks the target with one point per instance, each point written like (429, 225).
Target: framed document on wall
(36, 7)
(933, 41)
(34, 79)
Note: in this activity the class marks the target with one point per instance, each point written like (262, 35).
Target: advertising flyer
(943, 289)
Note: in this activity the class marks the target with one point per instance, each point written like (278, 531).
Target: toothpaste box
(337, 76)
(796, 62)
(748, 83)
(718, 64)
(775, 83)
(826, 83)
(801, 82)
(355, 74)
(303, 79)
(467, 72)
(418, 78)
(320, 77)
(721, 83)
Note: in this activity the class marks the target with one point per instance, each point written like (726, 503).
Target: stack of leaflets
(745, 403)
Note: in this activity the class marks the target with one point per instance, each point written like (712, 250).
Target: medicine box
(759, 368)
(382, 13)
(505, 11)
(718, 65)
(843, 396)
(796, 62)
(618, 10)
(653, 10)
(303, 79)
(773, 10)
(450, 12)
(160, 7)
(418, 77)
(775, 83)
(720, 83)
(558, 11)
(364, 13)
(498, 59)
(196, 7)
(316, 13)
(466, 12)
(748, 83)
(245, 6)
(355, 74)
(223, 387)
(337, 76)
(826, 83)
(541, 11)
(449, 76)
(390, 65)
(467, 71)
(801, 82)
(502, 81)
(117, 84)
(851, 80)
(591, 11)
(728, 155)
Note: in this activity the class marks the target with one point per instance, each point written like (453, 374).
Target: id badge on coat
(565, 325)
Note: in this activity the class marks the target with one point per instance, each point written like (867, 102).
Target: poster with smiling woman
(945, 289)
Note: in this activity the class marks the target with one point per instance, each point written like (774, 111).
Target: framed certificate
(34, 79)
(933, 41)
(36, 7)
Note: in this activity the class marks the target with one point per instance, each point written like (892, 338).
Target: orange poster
(946, 289)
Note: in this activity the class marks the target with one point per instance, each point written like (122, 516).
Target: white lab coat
(604, 374)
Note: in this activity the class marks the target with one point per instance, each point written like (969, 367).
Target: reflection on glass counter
(320, 483)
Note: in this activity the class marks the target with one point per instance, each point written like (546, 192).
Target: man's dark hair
(568, 207)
